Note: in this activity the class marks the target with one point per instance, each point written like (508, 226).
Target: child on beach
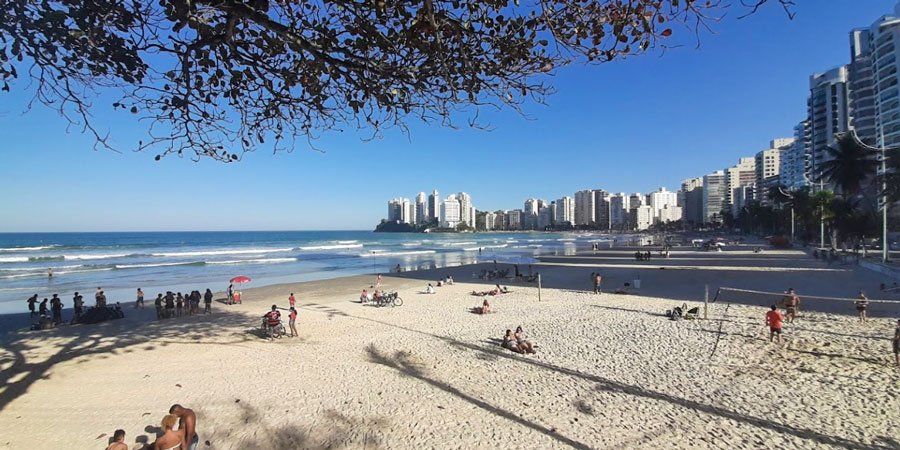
(773, 321)
(292, 319)
(291, 300)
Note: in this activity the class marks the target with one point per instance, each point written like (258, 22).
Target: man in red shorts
(773, 321)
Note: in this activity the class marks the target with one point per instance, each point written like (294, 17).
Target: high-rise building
(644, 217)
(768, 162)
(619, 208)
(601, 209)
(466, 210)
(692, 201)
(862, 88)
(514, 219)
(828, 113)
(741, 174)
(490, 221)
(884, 53)
(421, 208)
(450, 212)
(434, 206)
(713, 196)
(401, 210)
(584, 207)
(793, 170)
(565, 211)
(661, 199)
(545, 216)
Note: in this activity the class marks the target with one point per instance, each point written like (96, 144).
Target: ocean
(184, 261)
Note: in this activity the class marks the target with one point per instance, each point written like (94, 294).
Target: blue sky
(629, 126)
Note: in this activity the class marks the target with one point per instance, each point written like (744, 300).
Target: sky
(629, 126)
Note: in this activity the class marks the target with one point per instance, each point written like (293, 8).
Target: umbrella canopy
(240, 279)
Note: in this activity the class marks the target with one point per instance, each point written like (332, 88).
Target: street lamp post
(821, 216)
(884, 204)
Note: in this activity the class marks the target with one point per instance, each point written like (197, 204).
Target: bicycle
(392, 299)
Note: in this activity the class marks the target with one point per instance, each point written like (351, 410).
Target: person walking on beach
(597, 279)
(292, 320)
(43, 307)
(140, 299)
(378, 281)
(159, 305)
(791, 304)
(292, 300)
(773, 321)
(896, 341)
(207, 300)
(78, 304)
(862, 304)
(97, 295)
(31, 302)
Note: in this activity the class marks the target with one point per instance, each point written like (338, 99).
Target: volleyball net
(768, 298)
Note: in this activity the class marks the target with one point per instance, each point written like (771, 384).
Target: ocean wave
(97, 256)
(251, 251)
(27, 249)
(411, 244)
(330, 247)
(255, 261)
(347, 242)
(383, 253)
(10, 259)
(14, 259)
(453, 244)
(143, 266)
(566, 240)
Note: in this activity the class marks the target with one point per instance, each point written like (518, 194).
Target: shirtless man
(791, 305)
(188, 423)
(31, 302)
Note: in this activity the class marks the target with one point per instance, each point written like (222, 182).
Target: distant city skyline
(629, 126)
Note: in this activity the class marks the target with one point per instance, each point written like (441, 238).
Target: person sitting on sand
(171, 438)
(440, 283)
(118, 442)
(523, 342)
(449, 280)
(773, 321)
(862, 303)
(509, 342)
(624, 290)
(364, 296)
(429, 289)
(485, 307)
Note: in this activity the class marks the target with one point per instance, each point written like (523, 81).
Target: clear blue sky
(630, 126)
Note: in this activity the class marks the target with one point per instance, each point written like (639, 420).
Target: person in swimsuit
(292, 320)
(31, 302)
(791, 305)
(189, 424)
(207, 300)
(862, 304)
(485, 307)
(159, 306)
(179, 303)
(773, 321)
(171, 438)
(140, 299)
(896, 342)
(509, 342)
(78, 303)
(524, 343)
(118, 442)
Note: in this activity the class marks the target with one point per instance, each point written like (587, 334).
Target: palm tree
(851, 163)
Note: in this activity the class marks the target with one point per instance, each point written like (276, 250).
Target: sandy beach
(610, 372)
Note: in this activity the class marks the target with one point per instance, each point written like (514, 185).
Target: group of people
(49, 311)
(179, 432)
(493, 292)
(517, 342)
(642, 256)
(177, 305)
(272, 320)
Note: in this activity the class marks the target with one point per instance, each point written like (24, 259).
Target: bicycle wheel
(398, 302)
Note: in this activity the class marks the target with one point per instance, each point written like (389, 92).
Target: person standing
(50, 273)
(230, 293)
(773, 321)
(159, 305)
(56, 306)
(598, 280)
(32, 301)
(179, 303)
(292, 300)
(897, 343)
(43, 307)
(78, 304)
(140, 299)
(207, 300)
(791, 305)
(862, 304)
(292, 320)
(97, 296)
(188, 423)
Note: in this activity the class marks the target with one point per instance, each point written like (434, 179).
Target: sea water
(157, 262)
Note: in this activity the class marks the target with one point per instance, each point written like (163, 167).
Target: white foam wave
(96, 256)
(566, 240)
(254, 261)
(347, 242)
(100, 269)
(27, 249)
(331, 247)
(250, 251)
(411, 244)
(141, 266)
(453, 244)
(9, 259)
(383, 253)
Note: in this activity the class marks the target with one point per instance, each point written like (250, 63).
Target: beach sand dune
(610, 372)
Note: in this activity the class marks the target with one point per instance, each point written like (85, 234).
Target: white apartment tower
(466, 210)
(584, 207)
(740, 175)
(421, 208)
(793, 170)
(434, 206)
(619, 208)
(450, 212)
(884, 54)
(713, 196)
(565, 211)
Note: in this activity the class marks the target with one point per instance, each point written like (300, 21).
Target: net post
(539, 287)
(705, 300)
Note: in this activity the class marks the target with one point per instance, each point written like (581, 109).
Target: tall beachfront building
(514, 219)
(660, 200)
(828, 112)
(862, 86)
(434, 206)
(466, 209)
(584, 207)
(565, 211)
(738, 176)
(884, 55)
(692, 201)
(793, 170)
(401, 210)
(450, 212)
(601, 209)
(713, 196)
(619, 209)
(421, 208)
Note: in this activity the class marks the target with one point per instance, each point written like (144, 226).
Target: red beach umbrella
(240, 279)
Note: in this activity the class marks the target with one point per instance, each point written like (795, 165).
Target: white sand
(609, 373)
